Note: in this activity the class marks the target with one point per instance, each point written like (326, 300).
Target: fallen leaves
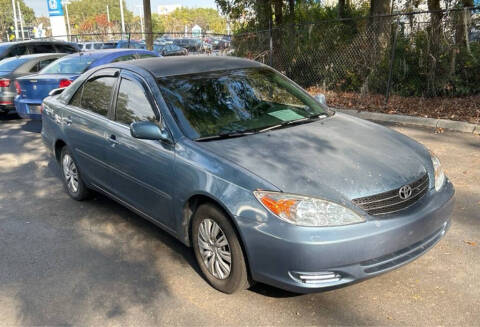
(461, 109)
(471, 243)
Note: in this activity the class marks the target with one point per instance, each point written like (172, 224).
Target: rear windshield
(69, 65)
(10, 64)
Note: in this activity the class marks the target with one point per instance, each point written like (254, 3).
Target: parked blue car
(235, 160)
(32, 89)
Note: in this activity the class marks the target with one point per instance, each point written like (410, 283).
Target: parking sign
(55, 8)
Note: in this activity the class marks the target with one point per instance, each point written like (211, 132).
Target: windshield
(253, 99)
(10, 64)
(69, 65)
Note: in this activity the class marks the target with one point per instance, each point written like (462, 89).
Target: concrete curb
(451, 125)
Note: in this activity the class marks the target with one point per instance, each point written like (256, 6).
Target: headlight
(438, 171)
(305, 211)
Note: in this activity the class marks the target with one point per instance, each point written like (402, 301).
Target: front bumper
(278, 252)
(28, 109)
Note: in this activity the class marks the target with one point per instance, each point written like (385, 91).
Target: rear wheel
(72, 178)
(218, 250)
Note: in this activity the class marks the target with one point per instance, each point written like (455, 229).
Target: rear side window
(43, 48)
(132, 103)
(124, 58)
(145, 55)
(41, 64)
(18, 50)
(97, 94)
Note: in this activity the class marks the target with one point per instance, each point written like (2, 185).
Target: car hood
(339, 158)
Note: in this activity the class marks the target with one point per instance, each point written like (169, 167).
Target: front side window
(73, 64)
(65, 48)
(132, 103)
(211, 104)
(97, 94)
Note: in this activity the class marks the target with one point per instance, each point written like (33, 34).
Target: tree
(82, 11)
(207, 18)
(6, 16)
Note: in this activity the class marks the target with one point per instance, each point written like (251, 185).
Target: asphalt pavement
(64, 262)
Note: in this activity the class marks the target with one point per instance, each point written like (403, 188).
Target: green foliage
(6, 16)
(455, 71)
(207, 18)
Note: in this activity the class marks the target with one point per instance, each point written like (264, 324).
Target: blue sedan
(32, 89)
(263, 181)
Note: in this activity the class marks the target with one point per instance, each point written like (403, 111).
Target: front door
(141, 170)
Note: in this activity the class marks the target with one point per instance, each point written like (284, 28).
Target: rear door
(142, 170)
(86, 124)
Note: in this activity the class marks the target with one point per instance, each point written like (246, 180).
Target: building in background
(167, 9)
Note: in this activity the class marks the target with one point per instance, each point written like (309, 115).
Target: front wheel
(218, 250)
(72, 178)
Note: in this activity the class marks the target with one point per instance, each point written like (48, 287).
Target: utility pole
(123, 19)
(21, 19)
(15, 20)
(140, 13)
(66, 3)
(108, 19)
(147, 13)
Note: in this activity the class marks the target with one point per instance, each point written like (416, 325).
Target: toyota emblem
(405, 192)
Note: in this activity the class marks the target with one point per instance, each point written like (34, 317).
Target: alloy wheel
(70, 172)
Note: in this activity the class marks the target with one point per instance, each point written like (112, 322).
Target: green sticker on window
(286, 115)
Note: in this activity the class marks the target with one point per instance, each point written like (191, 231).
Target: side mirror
(56, 91)
(321, 98)
(146, 130)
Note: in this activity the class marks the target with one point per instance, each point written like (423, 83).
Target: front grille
(390, 202)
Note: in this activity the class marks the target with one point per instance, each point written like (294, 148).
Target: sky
(40, 6)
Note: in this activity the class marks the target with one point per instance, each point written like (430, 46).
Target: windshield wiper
(294, 122)
(224, 136)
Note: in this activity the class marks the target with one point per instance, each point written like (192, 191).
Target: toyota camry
(265, 182)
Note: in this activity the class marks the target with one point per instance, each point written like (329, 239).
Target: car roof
(40, 55)
(97, 54)
(171, 66)
(35, 41)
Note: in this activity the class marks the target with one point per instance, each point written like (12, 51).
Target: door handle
(113, 139)
(67, 121)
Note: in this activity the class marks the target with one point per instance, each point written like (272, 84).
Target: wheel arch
(57, 148)
(189, 208)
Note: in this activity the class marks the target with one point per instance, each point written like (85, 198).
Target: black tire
(238, 278)
(82, 192)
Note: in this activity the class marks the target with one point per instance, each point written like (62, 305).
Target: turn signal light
(64, 83)
(278, 206)
(4, 82)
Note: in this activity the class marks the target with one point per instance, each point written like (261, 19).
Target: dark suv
(11, 49)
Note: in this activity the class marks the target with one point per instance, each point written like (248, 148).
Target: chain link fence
(410, 54)
(414, 54)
